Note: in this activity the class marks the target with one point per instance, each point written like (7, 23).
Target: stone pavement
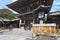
(16, 34)
(20, 34)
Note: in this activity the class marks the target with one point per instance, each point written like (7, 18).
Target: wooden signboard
(45, 29)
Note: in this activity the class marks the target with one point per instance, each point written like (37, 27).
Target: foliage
(5, 13)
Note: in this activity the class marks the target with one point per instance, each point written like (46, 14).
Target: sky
(55, 6)
(3, 4)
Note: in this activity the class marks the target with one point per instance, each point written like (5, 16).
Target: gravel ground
(20, 34)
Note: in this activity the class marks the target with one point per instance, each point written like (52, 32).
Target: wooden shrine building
(30, 10)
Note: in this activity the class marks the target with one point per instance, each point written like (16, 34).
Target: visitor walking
(10, 27)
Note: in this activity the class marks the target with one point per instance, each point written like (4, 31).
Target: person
(10, 27)
(30, 26)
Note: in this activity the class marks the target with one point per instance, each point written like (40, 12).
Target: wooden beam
(34, 10)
